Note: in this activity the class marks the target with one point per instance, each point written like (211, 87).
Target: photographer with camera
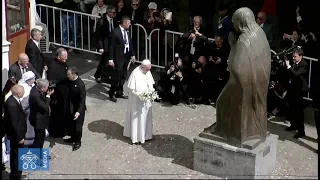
(218, 55)
(198, 81)
(172, 81)
(194, 42)
(297, 87)
(39, 102)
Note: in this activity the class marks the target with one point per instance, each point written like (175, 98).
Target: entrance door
(18, 27)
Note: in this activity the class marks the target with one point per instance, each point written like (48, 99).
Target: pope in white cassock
(138, 125)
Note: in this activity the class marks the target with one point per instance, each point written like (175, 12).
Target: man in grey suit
(267, 28)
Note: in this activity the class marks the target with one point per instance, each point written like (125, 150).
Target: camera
(156, 14)
(198, 65)
(51, 85)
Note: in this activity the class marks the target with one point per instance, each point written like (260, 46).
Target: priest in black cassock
(77, 99)
(57, 75)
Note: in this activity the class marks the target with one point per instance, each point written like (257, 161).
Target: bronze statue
(241, 106)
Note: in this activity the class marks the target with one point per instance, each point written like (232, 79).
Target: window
(16, 15)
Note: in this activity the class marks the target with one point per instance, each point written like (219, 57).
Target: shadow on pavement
(278, 129)
(173, 146)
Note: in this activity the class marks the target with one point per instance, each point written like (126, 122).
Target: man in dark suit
(18, 68)
(298, 85)
(15, 125)
(267, 28)
(224, 23)
(77, 96)
(105, 26)
(39, 101)
(34, 52)
(120, 52)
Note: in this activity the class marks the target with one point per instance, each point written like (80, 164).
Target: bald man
(15, 125)
(17, 69)
(267, 28)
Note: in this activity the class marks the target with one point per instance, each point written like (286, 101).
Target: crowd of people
(42, 96)
(50, 96)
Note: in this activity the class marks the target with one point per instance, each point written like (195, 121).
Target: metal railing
(85, 44)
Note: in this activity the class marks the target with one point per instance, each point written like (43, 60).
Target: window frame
(27, 18)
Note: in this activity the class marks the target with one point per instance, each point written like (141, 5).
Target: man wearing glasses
(104, 27)
(261, 19)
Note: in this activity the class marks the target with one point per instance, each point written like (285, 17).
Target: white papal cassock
(138, 126)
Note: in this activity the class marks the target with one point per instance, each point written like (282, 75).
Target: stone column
(5, 47)
(32, 14)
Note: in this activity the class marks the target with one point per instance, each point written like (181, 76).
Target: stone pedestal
(226, 161)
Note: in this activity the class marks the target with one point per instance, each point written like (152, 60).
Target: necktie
(133, 14)
(110, 25)
(125, 37)
(23, 70)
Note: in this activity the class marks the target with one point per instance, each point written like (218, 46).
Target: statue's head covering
(27, 76)
(243, 19)
(146, 62)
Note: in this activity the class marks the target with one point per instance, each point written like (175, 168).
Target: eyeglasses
(113, 12)
(134, 4)
(259, 18)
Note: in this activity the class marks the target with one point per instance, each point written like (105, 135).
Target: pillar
(5, 46)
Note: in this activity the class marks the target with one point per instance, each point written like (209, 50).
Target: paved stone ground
(106, 154)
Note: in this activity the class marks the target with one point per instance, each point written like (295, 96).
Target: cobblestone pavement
(106, 154)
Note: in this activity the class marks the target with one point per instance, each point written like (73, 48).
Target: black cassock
(57, 73)
(77, 97)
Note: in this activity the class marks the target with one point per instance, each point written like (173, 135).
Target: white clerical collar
(261, 25)
(76, 78)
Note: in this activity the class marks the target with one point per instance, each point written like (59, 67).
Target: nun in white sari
(27, 81)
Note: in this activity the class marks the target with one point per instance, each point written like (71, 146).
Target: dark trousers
(39, 136)
(295, 113)
(75, 128)
(102, 63)
(15, 174)
(317, 120)
(118, 82)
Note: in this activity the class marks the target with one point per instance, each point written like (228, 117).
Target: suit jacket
(35, 56)
(103, 32)
(15, 120)
(39, 109)
(116, 48)
(297, 74)
(15, 71)
(267, 28)
(224, 28)
(77, 96)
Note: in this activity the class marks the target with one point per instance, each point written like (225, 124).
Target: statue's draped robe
(241, 106)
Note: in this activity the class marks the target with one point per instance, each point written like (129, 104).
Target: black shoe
(113, 99)
(23, 176)
(98, 80)
(76, 146)
(290, 128)
(69, 140)
(122, 96)
(3, 167)
(299, 135)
